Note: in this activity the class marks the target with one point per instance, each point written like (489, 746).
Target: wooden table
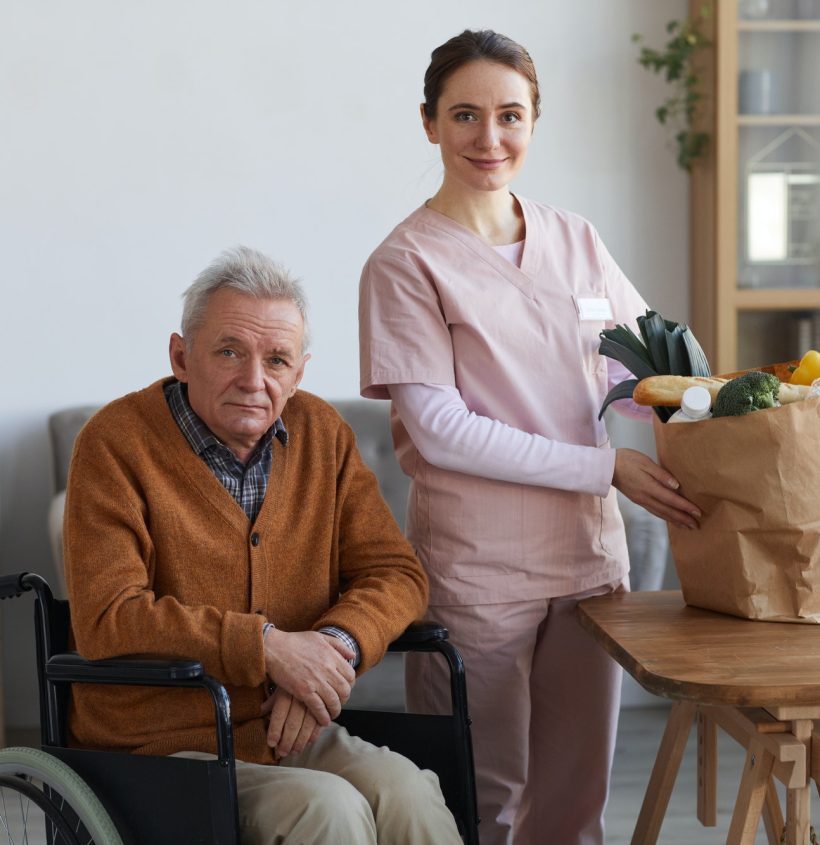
(759, 681)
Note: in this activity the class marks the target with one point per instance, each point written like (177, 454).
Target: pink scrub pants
(544, 701)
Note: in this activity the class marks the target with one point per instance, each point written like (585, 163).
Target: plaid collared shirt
(247, 483)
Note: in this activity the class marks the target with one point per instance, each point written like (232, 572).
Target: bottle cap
(696, 402)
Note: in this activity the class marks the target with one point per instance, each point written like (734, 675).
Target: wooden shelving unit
(778, 120)
(772, 25)
(722, 309)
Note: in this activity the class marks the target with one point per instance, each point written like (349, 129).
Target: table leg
(772, 814)
(707, 770)
(798, 799)
(797, 816)
(751, 795)
(664, 773)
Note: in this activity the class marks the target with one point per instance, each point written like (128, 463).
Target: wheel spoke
(24, 816)
(24, 811)
(5, 818)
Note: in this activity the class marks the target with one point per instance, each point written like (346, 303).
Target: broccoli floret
(749, 392)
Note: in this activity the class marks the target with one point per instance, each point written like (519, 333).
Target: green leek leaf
(634, 363)
(653, 328)
(620, 391)
(676, 350)
(698, 363)
(624, 336)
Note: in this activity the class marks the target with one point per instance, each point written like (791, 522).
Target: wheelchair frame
(441, 743)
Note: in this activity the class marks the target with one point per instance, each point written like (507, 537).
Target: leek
(664, 348)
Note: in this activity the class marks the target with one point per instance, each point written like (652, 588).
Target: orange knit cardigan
(159, 561)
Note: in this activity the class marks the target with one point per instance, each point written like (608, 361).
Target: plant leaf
(620, 391)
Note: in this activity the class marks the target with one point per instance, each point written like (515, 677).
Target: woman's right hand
(649, 485)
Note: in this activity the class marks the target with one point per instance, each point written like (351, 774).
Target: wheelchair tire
(65, 802)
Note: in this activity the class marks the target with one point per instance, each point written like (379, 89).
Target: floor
(638, 738)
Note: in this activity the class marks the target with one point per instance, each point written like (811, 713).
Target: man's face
(241, 366)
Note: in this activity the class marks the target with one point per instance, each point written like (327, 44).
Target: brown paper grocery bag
(756, 478)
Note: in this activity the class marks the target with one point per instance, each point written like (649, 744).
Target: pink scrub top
(439, 305)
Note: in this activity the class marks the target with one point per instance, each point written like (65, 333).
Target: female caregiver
(480, 317)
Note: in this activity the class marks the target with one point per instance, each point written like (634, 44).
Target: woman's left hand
(649, 485)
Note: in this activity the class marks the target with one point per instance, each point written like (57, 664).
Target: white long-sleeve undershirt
(450, 436)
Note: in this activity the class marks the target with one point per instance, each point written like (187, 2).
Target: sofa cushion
(63, 427)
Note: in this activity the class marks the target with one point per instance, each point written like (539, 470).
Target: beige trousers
(341, 791)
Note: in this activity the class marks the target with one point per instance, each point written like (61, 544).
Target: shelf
(778, 120)
(779, 26)
(777, 299)
(743, 325)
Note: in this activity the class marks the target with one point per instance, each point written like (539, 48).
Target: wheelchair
(71, 796)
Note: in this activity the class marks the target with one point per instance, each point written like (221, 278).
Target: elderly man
(226, 516)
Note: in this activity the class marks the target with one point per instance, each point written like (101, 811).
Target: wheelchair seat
(93, 797)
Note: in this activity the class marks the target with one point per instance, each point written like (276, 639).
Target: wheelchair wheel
(44, 802)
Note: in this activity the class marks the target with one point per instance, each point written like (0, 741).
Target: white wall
(140, 139)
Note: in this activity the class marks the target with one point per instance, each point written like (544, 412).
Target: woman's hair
(472, 46)
(249, 272)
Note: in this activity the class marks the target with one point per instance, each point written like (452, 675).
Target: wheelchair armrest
(72, 668)
(420, 636)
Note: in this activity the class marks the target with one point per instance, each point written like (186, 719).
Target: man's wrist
(347, 638)
(266, 629)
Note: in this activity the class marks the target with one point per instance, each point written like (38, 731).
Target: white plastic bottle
(695, 405)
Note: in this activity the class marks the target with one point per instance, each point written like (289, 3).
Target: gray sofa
(382, 686)
(369, 420)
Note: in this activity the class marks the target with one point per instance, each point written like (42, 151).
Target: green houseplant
(675, 62)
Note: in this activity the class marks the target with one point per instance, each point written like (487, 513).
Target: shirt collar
(198, 434)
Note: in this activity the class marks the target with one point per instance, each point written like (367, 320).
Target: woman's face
(483, 125)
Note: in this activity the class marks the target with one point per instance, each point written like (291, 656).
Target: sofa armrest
(55, 537)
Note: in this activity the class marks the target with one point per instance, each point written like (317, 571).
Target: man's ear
(177, 352)
(429, 128)
(300, 373)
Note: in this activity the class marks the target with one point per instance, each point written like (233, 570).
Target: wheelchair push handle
(12, 586)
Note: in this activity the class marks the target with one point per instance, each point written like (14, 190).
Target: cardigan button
(254, 539)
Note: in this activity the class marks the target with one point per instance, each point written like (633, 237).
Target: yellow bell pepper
(809, 368)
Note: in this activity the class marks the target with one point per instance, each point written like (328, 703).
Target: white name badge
(594, 309)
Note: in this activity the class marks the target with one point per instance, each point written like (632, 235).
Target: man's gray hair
(247, 271)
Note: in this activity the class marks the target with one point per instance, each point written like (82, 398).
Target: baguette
(668, 390)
